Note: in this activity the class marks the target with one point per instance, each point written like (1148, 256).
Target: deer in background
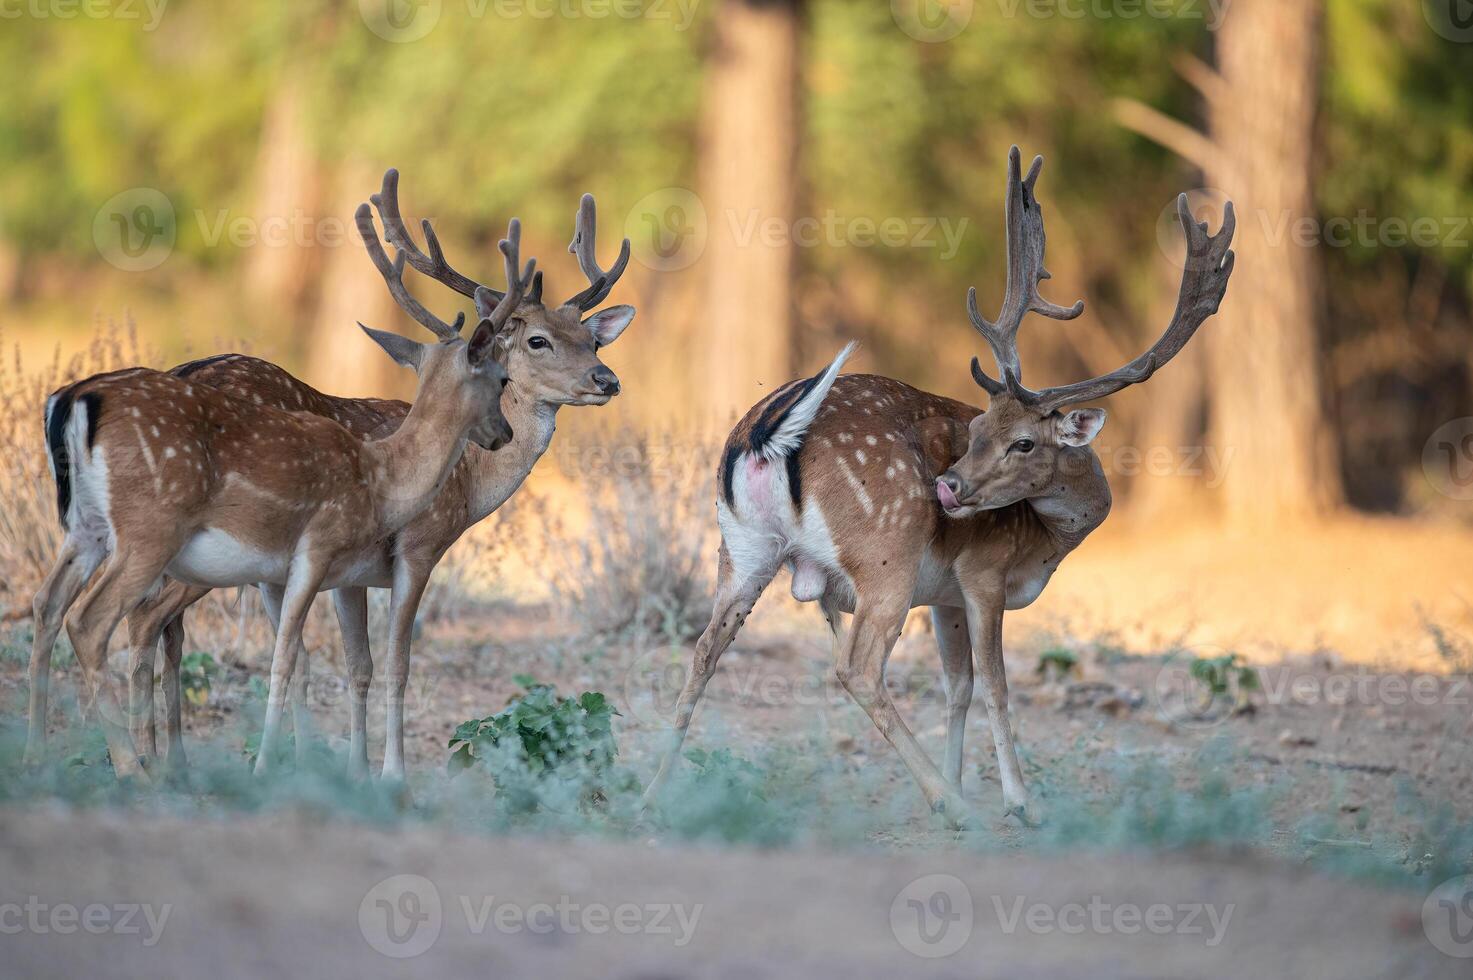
(161, 476)
(551, 355)
(881, 498)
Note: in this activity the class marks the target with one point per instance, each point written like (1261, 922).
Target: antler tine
(601, 281)
(1204, 283)
(1026, 246)
(393, 273)
(397, 233)
(517, 280)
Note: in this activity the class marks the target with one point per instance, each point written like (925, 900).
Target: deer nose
(606, 381)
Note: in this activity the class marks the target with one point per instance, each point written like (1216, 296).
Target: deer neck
(1078, 499)
(496, 476)
(409, 467)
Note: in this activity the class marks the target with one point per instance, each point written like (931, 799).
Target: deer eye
(1021, 446)
(538, 343)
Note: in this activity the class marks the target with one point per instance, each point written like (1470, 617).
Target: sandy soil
(293, 896)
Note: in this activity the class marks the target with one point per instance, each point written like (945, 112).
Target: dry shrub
(636, 560)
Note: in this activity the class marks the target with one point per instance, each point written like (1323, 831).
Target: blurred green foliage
(493, 112)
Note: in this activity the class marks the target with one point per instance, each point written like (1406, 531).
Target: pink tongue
(947, 498)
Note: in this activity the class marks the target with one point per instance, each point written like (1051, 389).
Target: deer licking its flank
(881, 498)
(551, 355)
(160, 475)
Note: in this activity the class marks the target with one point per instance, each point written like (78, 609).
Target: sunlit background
(794, 175)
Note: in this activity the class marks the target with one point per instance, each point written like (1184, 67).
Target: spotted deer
(880, 498)
(160, 475)
(551, 356)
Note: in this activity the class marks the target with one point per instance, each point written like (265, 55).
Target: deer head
(1014, 450)
(464, 376)
(550, 352)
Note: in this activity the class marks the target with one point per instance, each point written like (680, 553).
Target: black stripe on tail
(58, 415)
(767, 423)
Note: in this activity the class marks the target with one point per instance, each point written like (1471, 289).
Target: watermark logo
(135, 230)
(1447, 917)
(668, 229)
(932, 21)
(1452, 19)
(1201, 687)
(401, 916)
(932, 917)
(653, 682)
(400, 21)
(1207, 204)
(1447, 459)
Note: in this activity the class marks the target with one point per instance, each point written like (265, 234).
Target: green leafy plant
(196, 671)
(1225, 675)
(1056, 663)
(539, 732)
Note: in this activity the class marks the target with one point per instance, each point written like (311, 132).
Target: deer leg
(271, 598)
(291, 608)
(173, 644)
(146, 625)
(955, 645)
(410, 580)
(352, 610)
(861, 669)
(74, 566)
(127, 579)
(984, 613)
(145, 628)
(736, 593)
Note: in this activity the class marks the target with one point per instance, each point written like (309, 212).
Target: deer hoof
(1025, 813)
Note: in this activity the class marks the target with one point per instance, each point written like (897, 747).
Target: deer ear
(1079, 427)
(482, 342)
(607, 325)
(943, 440)
(487, 301)
(409, 353)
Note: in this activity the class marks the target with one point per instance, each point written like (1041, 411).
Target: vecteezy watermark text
(403, 916)
(95, 918)
(151, 12)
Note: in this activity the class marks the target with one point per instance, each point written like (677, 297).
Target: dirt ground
(1340, 774)
(287, 896)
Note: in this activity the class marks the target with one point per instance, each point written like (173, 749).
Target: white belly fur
(215, 559)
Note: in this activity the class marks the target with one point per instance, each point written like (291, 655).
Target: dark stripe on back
(185, 370)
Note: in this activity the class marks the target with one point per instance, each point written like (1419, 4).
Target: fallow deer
(881, 498)
(551, 356)
(158, 475)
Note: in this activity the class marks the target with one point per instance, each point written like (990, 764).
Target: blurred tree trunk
(1171, 417)
(278, 278)
(748, 175)
(340, 359)
(1266, 371)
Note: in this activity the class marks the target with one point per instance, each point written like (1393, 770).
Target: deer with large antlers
(881, 498)
(551, 356)
(160, 475)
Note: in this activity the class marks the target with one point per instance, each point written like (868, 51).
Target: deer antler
(433, 264)
(1026, 242)
(600, 281)
(517, 281)
(393, 273)
(1204, 283)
